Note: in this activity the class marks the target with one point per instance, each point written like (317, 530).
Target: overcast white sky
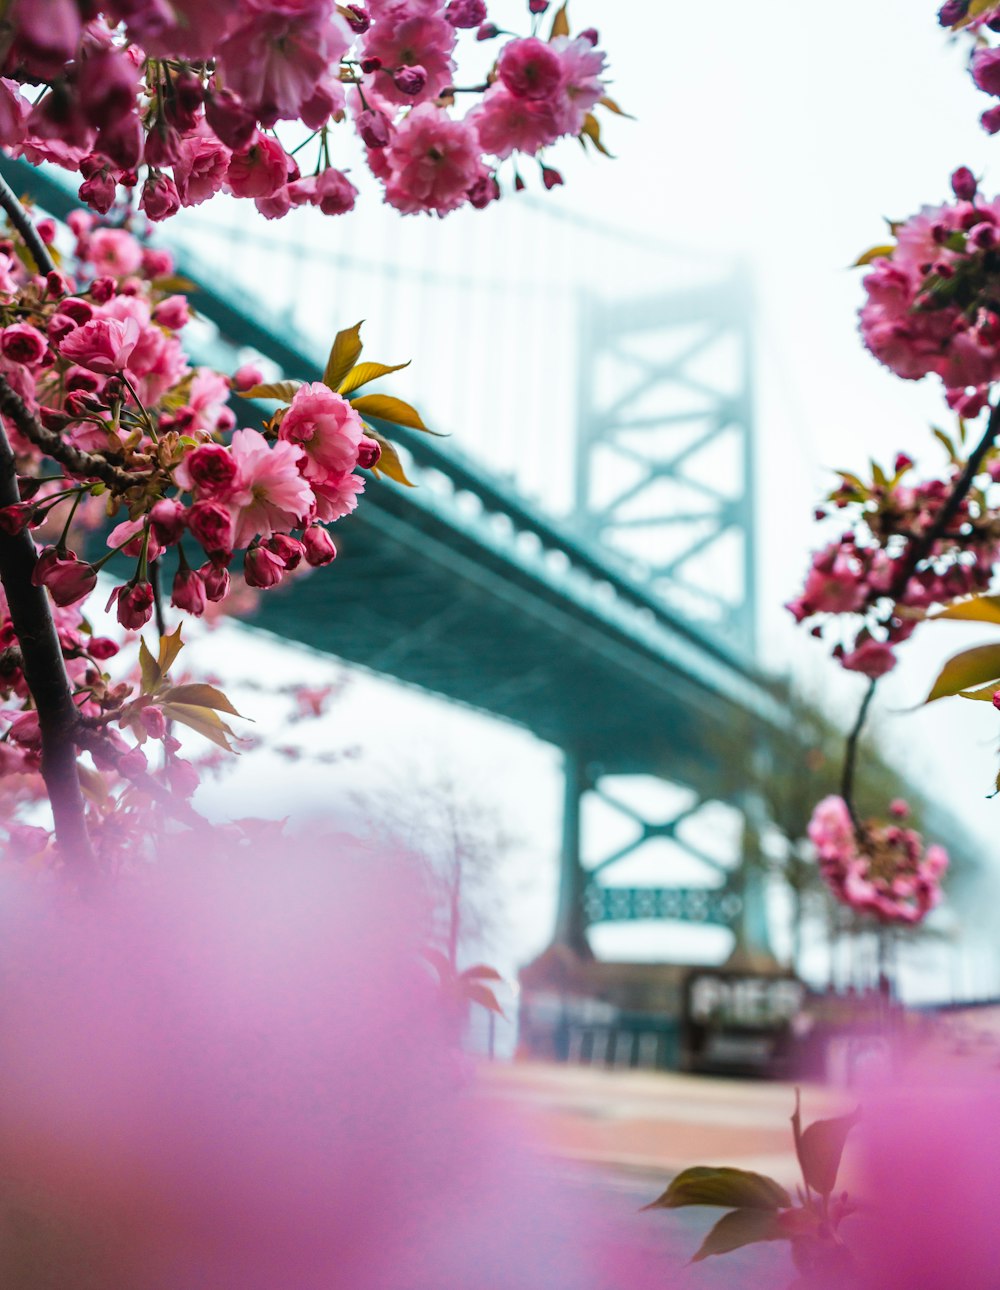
(782, 140)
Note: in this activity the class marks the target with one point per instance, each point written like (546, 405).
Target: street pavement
(625, 1134)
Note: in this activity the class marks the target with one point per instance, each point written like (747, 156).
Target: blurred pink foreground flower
(234, 1073)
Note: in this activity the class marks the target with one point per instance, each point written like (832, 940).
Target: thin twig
(919, 550)
(101, 746)
(851, 756)
(45, 673)
(74, 459)
(21, 221)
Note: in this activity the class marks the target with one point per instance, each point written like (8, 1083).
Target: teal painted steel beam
(704, 906)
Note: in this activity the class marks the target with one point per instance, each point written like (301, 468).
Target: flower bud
(358, 18)
(212, 525)
(15, 518)
(135, 605)
(154, 721)
(952, 11)
(26, 731)
(487, 31)
(287, 549)
(24, 344)
(102, 290)
(466, 13)
(551, 178)
(318, 546)
(188, 592)
(246, 377)
(159, 199)
(369, 65)
(261, 568)
(67, 578)
(964, 184)
(229, 120)
(167, 518)
(216, 581)
(369, 452)
(374, 129)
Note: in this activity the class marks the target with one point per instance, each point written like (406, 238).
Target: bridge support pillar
(571, 920)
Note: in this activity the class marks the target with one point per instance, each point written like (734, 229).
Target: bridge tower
(664, 484)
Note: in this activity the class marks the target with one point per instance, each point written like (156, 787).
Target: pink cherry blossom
(279, 53)
(336, 497)
(270, 492)
(581, 87)
(102, 345)
(113, 252)
(259, 169)
(530, 69)
(201, 169)
(401, 39)
(505, 123)
(326, 427)
(23, 343)
(433, 162)
(884, 872)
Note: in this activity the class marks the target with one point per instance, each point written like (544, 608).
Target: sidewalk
(658, 1123)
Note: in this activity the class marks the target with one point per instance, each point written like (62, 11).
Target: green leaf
(149, 668)
(560, 23)
(483, 995)
(820, 1147)
(389, 463)
(387, 408)
(203, 720)
(612, 106)
(873, 253)
(170, 646)
(282, 391)
(735, 1188)
(362, 373)
(944, 439)
(983, 695)
(344, 353)
(592, 131)
(975, 609)
(174, 284)
(202, 696)
(967, 671)
(741, 1227)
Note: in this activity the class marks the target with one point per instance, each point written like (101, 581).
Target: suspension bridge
(579, 557)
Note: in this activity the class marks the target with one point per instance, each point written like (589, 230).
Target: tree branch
(74, 459)
(45, 673)
(919, 550)
(21, 221)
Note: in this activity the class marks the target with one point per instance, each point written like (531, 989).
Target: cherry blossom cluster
(109, 422)
(882, 868)
(167, 102)
(866, 586)
(103, 369)
(933, 303)
(981, 21)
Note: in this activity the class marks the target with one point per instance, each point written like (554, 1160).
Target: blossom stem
(45, 674)
(851, 756)
(21, 221)
(155, 583)
(924, 545)
(919, 550)
(74, 459)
